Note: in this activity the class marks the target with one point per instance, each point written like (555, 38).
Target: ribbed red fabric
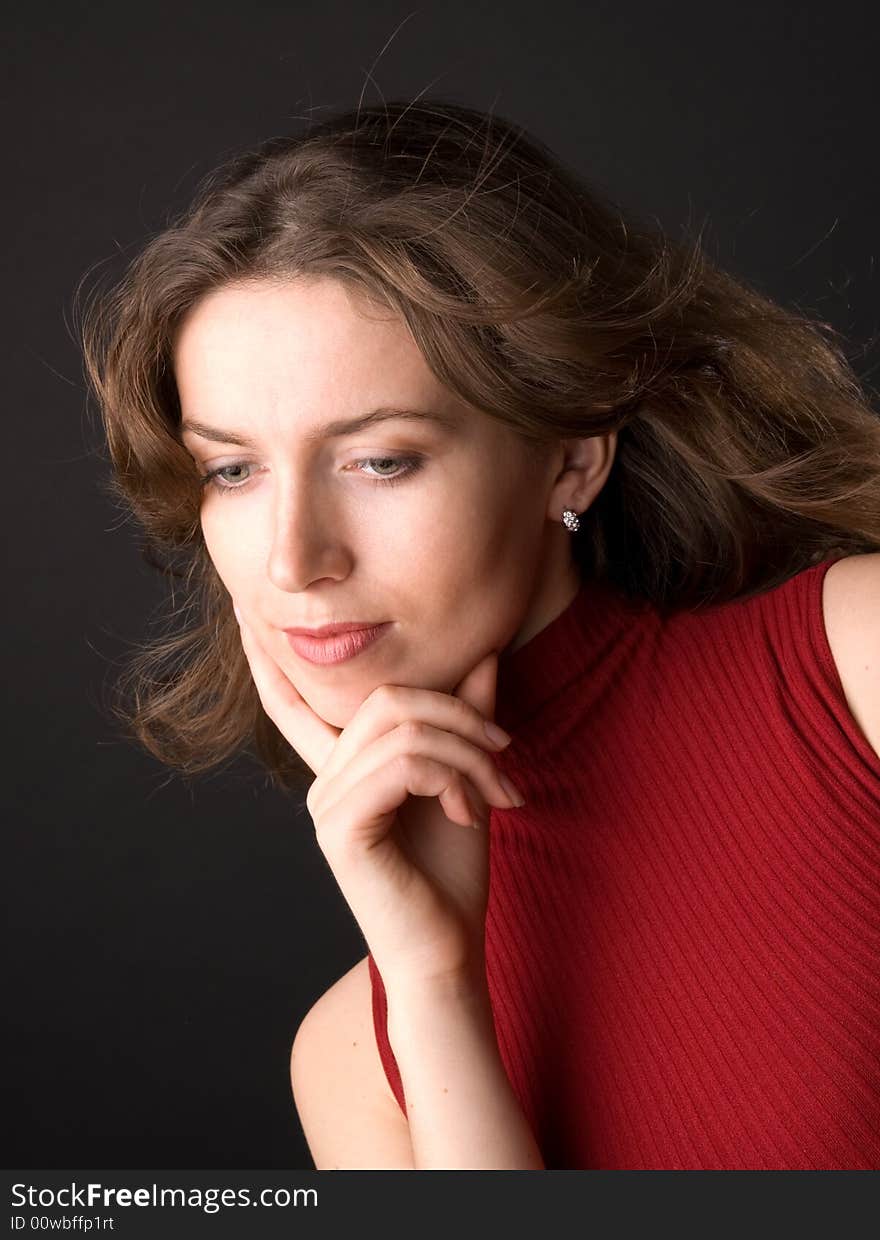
(683, 934)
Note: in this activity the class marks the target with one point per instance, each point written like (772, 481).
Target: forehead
(290, 355)
(314, 339)
(296, 350)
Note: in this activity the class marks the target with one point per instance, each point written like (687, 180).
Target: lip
(335, 643)
(330, 630)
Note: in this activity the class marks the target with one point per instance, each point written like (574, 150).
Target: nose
(308, 541)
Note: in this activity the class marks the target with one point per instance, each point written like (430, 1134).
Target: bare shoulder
(851, 607)
(348, 1113)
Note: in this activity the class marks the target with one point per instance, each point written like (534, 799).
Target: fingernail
(480, 816)
(512, 791)
(237, 613)
(495, 734)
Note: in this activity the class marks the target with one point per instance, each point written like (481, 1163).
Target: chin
(336, 709)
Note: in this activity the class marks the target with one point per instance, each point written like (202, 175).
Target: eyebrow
(330, 430)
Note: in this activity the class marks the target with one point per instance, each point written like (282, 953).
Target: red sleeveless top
(683, 933)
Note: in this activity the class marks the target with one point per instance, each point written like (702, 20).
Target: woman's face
(446, 525)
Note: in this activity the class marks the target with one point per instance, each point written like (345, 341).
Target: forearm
(462, 1111)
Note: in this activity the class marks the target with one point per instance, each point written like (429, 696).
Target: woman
(406, 379)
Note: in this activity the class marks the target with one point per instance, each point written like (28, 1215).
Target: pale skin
(466, 556)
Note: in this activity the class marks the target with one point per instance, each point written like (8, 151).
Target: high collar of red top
(550, 662)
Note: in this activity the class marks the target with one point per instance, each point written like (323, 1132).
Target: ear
(583, 472)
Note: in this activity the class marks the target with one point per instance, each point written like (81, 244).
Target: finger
(457, 802)
(361, 818)
(418, 738)
(461, 803)
(478, 689)
(391, 705)
(312, 737)
(478, 813)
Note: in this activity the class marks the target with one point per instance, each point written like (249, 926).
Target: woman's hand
(396, 794)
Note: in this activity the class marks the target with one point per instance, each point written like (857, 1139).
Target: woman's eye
(215, 476)
(403, 465)
(383, 470)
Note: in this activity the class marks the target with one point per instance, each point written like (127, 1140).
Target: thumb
(479, 685)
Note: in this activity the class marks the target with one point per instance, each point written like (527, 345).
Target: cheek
(227, 553)
(478, 550)
(500, 526)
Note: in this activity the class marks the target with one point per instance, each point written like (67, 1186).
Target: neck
(556, 589)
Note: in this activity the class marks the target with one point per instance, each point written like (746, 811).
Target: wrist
(415, 982)
(437, 1001)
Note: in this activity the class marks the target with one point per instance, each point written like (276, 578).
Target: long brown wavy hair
(747, 449)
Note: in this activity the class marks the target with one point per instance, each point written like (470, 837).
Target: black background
(169, 936)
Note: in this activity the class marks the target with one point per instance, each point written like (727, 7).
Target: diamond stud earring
(570, 520)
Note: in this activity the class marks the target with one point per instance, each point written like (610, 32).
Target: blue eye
(405, 466)
(213, 477)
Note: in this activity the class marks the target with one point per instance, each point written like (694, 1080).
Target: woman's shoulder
(851, 611)
(349, 1116)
